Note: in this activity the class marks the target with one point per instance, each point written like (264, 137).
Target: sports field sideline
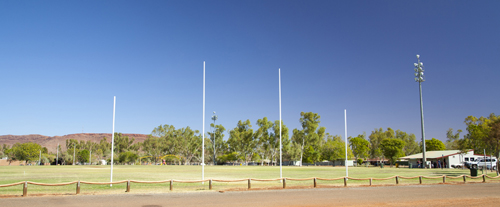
(62, 174)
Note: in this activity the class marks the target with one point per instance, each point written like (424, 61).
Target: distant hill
(51, 142)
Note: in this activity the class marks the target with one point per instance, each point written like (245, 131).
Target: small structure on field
(444, 158)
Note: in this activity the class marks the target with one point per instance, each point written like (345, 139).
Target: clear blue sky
(63, 61)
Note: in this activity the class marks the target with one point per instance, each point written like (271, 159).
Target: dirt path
(482, 194)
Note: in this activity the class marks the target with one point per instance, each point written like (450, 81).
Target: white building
(450, 158)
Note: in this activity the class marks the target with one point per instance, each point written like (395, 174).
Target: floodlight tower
(419, 77)
(214, 117)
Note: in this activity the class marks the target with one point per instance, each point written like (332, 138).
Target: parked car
(457, 166)
(487, 163)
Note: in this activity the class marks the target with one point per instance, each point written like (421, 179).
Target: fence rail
(283, 180)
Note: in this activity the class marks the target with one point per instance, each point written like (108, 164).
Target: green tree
(291, 151)
(268, 138)
(334, 149)
(275, 140)
(11, 154)
(189, 144)
(70, 143)
(128, 157)
(88, 145)
(83, 156)
(5, 149)
(153, 146)
(360, 147)
(256, 157)
(66, 158)
(183, 142)
(228, 157)
(169, 134)
(452, 139)
(312, 156)
(311, 133)
(298, 140)
(45, 158)
(98, 153)
(27, 151)
(217, 136)
(478, 130)
(494, 136)
(72, 148)
(376, 138)
(242, 140)
(265, 140)
(434, 145)
(411, 145)
(392, 149)
(122, 143)
(105, 148)
(135, 147)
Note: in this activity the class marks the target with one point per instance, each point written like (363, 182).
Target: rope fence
(249, 180)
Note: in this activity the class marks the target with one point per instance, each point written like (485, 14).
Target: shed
(446, 158)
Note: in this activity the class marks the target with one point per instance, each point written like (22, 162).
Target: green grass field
(61, 174)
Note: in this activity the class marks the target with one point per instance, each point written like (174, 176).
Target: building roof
(433, 154)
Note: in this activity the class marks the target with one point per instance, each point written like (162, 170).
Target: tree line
(483, 134)
(309, 144)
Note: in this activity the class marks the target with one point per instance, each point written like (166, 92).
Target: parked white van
(486, 163)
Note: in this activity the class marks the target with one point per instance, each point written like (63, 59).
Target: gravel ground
(482, 194)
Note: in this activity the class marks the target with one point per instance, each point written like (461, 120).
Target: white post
(345, 121)
(203, 130)
(491, 162)
(112, 140)
(281, 157)
(90, 158)
(40, 158)
(485, 163)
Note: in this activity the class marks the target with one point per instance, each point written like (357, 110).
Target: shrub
(359, 161)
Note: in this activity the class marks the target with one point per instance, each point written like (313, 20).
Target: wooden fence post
(370, 181)
(78, 188)
(171, 184)
(315, 182)
(464, 178)
(397, 180)
(249, 183)
(484, 178)
(25, 189)
(420, 179)
(128, 186)
(210, 184)
(345, 181)
(284, 183)
(444, 178)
